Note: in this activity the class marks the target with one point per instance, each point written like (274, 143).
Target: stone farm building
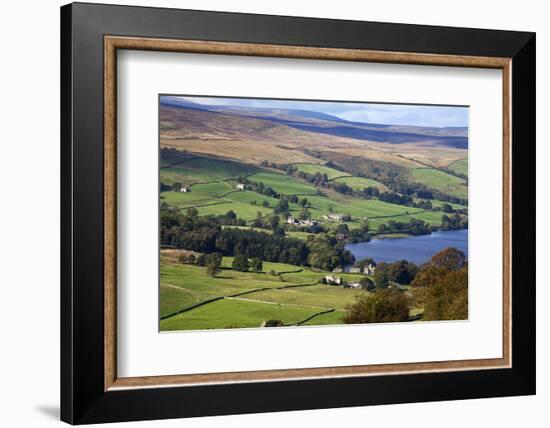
(300, 222)
(334, 217)
(333, 280)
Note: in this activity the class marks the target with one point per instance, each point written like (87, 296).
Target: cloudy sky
(391, 114)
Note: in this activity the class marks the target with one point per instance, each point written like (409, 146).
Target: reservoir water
(416, 249)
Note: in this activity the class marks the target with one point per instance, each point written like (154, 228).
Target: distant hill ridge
(322, 123)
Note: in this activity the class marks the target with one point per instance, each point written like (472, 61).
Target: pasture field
(182, 166)
(196, 281)
(311, 168)
(360, 183)
(173, 298)
(248, 197)
(291, 234)
(186, 200)
(441, 181)
(355, 207)
(185, 285)
(219, 188)
(323, 296)
(267, 267)
(233, 313)
(184, 176)
(245, 211)
(460, 166)
(283, 183)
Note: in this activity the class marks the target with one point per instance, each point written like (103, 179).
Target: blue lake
(417, 249)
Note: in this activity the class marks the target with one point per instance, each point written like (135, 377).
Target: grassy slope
(440, 180)
(284, 184)
(234, 314)
(460, 166)
(185, 285)
(219, 197)
(322, 296)
(359, 183)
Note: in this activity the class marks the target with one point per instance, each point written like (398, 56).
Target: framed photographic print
(266, 213)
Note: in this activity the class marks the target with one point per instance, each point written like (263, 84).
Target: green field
(311, 168)
(441, 181)
(188, 170)
(245, 211)
(283, 183)
(360, 183)
(235, 314)
(184, 176)
(219, 188)
(322, 296)
(292, 295)
(247, 197)
(460, 166)
(219, 197)
(355, 207)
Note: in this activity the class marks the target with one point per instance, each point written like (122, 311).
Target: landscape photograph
(296, 213)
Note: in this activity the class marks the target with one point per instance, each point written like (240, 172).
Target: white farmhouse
(333, 280)
(240, 186)
(185, 189)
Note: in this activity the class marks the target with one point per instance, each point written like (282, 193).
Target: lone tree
(213, 263)
(257, 264)
(383, 306)
(240, 263)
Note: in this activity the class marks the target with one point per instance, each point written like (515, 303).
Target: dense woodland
(206, 235)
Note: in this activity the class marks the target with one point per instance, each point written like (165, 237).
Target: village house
(185, 189)
(334, 217)
(297, 222)
(240, 186)
(369, 269)
(333, 280)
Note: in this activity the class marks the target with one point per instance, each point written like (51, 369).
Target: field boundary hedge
(312, 316)
(188, 308)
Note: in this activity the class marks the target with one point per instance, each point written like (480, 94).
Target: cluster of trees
(229, 219)
(401, 272)
(271, 223)
(454, 222)
(441, 286)
(259, 187)
(360, 234)
(212, 261)
(413, 226)
(327, 253)
(242, 264)
(205, 235)
(387, 305)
